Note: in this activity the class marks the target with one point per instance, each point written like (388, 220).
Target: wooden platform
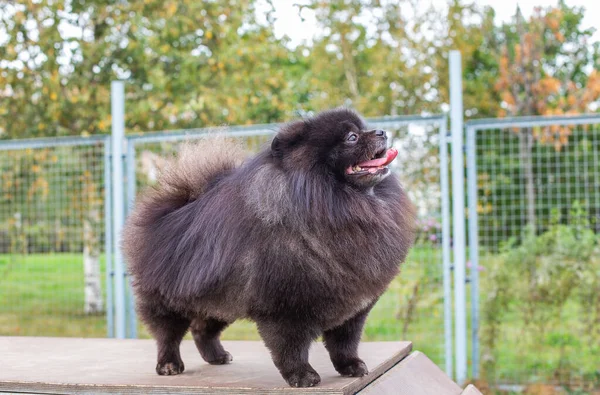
(58, 365)
(35, 365)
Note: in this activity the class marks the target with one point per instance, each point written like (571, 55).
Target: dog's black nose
(380, 133)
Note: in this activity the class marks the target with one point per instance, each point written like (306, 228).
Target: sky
(288, 23)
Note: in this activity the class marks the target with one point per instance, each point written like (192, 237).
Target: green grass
(42, 295)
(563, 352)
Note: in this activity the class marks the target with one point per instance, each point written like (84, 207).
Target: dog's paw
(220, 359)
(353, 368)
(303, 378)
(170, 368)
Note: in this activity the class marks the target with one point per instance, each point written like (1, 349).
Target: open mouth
(377, 165)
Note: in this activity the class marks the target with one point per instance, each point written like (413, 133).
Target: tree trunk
(91, 266)
(349, 69)
(407, 317)
(526, 153)
(18, 239)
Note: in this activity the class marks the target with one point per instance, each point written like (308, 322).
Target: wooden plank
(471, 390)
(416, 374)
(85, 366)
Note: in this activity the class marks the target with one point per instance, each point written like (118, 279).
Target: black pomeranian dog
(302, 238)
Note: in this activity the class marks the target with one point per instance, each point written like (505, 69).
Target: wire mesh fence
(538, 221)
(533, 226)
(52, 235)
(413, 307)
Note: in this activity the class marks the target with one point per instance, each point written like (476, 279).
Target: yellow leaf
(53, 96)
(171, 9)
(557, 146)
(564, 140)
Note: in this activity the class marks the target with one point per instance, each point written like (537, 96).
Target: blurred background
(189, 66)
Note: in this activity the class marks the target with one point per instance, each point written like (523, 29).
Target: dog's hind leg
(168, 329)
(206, 332)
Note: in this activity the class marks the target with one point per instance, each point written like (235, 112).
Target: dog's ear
(289, 136)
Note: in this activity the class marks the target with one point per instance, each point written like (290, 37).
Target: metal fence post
(118, 133)
(130, 164)
(446, 219)
(130, 168)
(473, 248)
(458, 209)
(108, 244)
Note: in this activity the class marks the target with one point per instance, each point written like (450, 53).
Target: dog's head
(339, 142)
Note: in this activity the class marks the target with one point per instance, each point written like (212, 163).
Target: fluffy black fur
(287, 239)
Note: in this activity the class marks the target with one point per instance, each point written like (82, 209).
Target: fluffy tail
(187, 176)
(181, 180)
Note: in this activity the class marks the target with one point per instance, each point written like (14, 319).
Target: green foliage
(188, 64)
(537, 278)
(192, 64)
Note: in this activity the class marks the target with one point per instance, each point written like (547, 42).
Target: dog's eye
(352, 137)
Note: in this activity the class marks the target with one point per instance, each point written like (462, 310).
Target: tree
(545, 70)
(372, 56)
(472, 31)
(188, 64)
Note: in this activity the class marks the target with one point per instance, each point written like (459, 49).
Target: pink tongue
(390, 155)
